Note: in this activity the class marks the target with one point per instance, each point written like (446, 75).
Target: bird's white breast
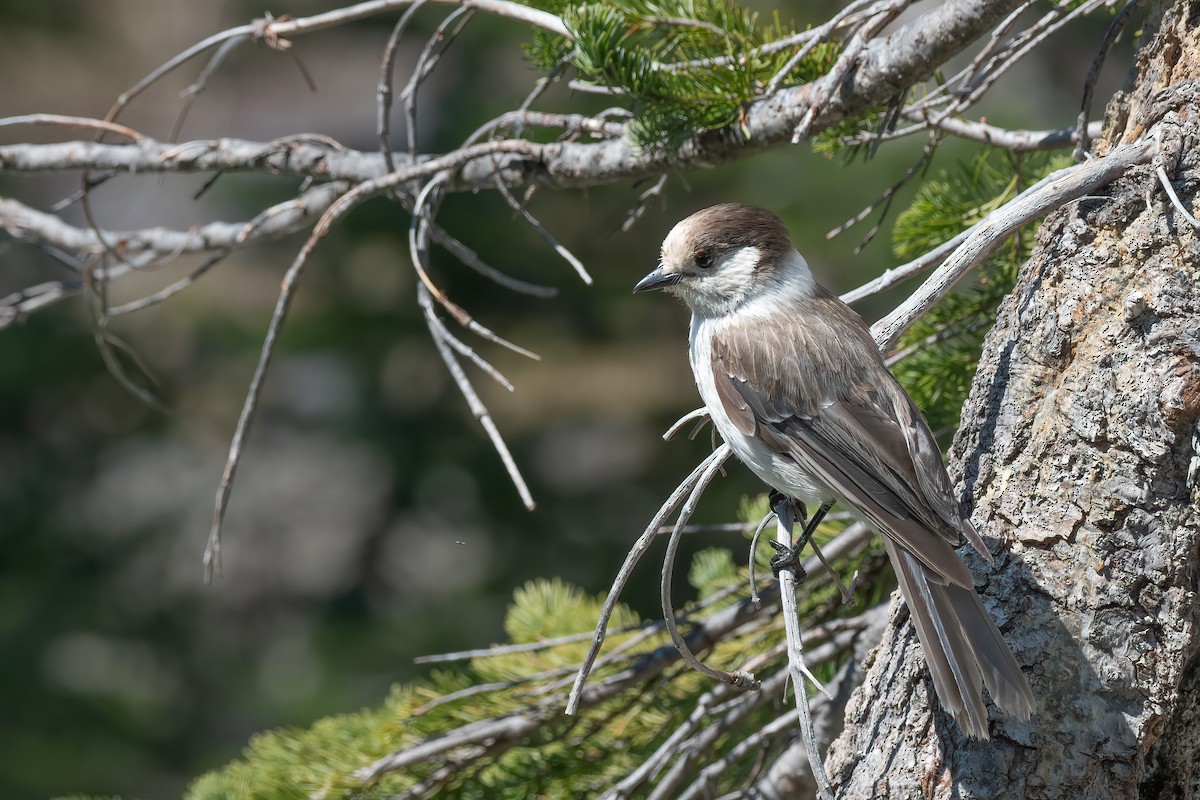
(774, 469)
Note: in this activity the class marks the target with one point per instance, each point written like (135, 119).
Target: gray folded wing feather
(807, 391)
(802, 384)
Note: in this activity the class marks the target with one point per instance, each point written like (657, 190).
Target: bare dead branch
(758, 531)
(384, 90)
(635, 555)
(832, 81)
(151, 247)
(797, 668)
(338, 209)
(849, 15)
(471, 259)
(883, 70)
(1014, 141)
(1175, 201)
(418, 238)
(73, 122)
(282, 28)
(885, 200)
(739, 678)
(442, 37)
(198, 86)
(1082, 135)
(546, 236)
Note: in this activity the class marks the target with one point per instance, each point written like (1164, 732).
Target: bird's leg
(788, 509)
(810, 527)
(847, 593)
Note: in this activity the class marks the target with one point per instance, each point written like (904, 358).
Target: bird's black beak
(657, 280)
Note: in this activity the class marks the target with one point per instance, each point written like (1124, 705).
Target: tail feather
(962, 645)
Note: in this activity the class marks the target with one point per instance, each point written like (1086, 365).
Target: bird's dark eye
(704, 259)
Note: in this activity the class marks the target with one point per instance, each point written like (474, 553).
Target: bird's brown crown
(721, 229)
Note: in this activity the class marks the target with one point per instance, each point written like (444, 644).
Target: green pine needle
(642, 49)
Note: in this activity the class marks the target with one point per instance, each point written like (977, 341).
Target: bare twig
(442, 37)
(198, 86)
(885, 200)
(471, 259)
(903, 272)
(541, 231)
(758, 531)
(151, 247)
(849, 15)
(1175, 201)
(63, 120)
(418, 238)
(655, 192)
(831, 82)
(502, 8)
(738, 678)
(384, 90)
(796, 666)
(1014, 141)
(1082, 135)
(699, 413)
(634, 556)
(342, 206)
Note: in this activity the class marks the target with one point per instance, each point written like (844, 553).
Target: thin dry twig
(830, 83)
(102, 126)
(1175, 201)
(340, 208)
(198, 86)
(849, 15)
(418, 247)
(631, 559)
(737, 678)
(541, 231)
(443, 36)
(798, 670)
(758, 531)
(384, 90)
(1082, 135)
(885, 200)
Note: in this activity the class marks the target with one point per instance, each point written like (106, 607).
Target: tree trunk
(1079, 450)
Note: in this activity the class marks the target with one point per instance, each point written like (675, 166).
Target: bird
(796, 386)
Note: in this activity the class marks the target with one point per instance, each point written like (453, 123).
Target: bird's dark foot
(788, 558)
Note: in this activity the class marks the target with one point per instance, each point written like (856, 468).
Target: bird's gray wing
(798, 389)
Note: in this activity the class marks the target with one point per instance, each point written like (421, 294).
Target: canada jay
(795, 384)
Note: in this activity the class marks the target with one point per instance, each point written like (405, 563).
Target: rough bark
(1079, 451)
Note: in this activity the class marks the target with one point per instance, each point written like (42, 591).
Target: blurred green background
(371, 521)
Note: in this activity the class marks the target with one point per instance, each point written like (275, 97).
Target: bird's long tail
(963, 646)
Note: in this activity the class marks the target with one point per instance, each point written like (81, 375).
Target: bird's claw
(787, 558)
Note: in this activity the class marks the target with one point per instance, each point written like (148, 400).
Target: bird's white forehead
(677, 248)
